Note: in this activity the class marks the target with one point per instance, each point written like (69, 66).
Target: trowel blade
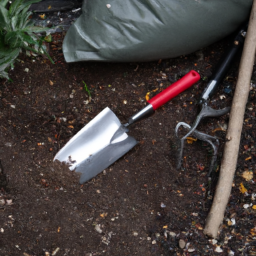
(96, 146)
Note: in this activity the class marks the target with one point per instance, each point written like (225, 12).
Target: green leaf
(4, 74)
(21, 4)
(23, 18)
(14, 6)
(14, 21)
(35, 29)
(4, 2)
(4, 18)
(27, 38)
(8, 60)
(13, 39)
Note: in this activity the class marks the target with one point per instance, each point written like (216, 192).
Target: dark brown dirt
(141, 205)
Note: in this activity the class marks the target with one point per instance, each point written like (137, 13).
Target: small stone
(108, 6)
(163, 205)
(213, 241)
(218, 249)
(17, 246)
(172, 234)
(2, 202)
(231, 253)
(9, 202)
(135, 233)
(13, 106)
(98, 229)
(8, 144)
(2, 230)
(148, 238)
(125, 102)
(55, 251)
(154, 242)
(182, 244)
(26, 70)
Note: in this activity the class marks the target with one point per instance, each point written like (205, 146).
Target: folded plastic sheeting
(144, 30)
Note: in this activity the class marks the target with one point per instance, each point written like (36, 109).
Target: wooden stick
(231, 149)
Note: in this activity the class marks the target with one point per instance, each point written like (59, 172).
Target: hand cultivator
(206, 110)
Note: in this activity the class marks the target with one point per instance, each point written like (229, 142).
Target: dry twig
(229, 161)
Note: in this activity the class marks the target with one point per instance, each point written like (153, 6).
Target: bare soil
(141, 205)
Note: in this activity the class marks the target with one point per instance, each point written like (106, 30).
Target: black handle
(224, 65)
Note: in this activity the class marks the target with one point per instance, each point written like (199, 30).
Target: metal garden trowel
(104, 139)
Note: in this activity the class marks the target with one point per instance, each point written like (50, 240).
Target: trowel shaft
(166, 95)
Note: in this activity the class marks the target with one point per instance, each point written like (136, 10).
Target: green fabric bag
(145, 30)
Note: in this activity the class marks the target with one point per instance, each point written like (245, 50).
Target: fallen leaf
(51, 82)
(248, 158)
(218, 129)
(254, 207)
(71, 126)
(103, 215)
(253, 231)
(247, 175)
(242, 188)
(199, 226)
(190, 140)
(42, 16)
(147, 96)
(165, 226)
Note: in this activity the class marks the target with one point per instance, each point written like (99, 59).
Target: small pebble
(163, 205)
(55, 251)
(182, 244)
(2, 202)
(26, 70)
(172, 234)
(108, 6)
(98, 229)
(154, 242)
(218, 249)
(135, 233)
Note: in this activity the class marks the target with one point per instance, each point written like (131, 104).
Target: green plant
(17, 32)
(87, 90)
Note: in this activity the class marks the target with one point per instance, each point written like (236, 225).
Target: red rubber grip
(174, 89)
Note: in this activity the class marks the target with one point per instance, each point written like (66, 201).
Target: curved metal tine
(201, 136)
(208, 138)
(206, 111)
(181, 146)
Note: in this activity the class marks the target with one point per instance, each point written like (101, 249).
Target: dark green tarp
(144, 30)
